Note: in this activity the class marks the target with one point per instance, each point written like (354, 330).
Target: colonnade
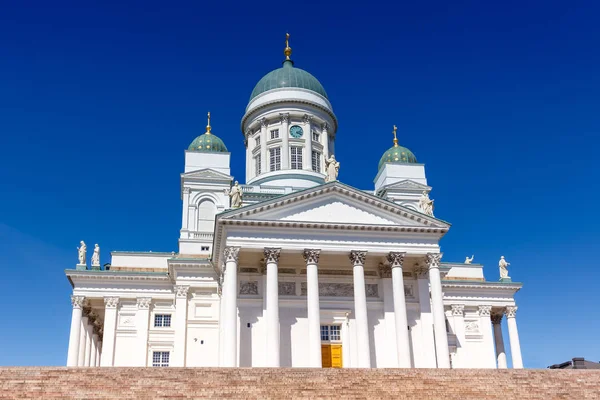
(513, 336)
(229, 331)
(85, 341)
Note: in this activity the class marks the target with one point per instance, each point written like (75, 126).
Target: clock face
(296, 131)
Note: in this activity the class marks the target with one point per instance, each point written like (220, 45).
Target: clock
(296, 131)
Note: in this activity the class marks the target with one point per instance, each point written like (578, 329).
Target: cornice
(482, 285)
(115, 276)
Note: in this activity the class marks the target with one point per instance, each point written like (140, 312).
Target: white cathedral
(293, 268)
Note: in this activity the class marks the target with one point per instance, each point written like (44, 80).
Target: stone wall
(262, 383)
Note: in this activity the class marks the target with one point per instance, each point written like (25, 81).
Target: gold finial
(395, 138)
(208, 125)
(288, 49)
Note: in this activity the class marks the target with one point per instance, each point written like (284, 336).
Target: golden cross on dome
(395, 138)
(208, 125)
(288, 49)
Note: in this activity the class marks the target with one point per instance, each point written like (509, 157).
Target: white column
(427, 353)
(264, 161)
(82, 341)
(499, 341)
(360, 309)
(311, 256)
(485, 322)
(110, 327)
(221, 319)
(272, 336)
(325, 133)
(88, 342)
(402, 339)
(186, 209)
(308, 142)
(74, 336)
(513, 337)
(99, 350)
(230, 328)
(285, 140)
(439, 317)
(142, 322)
(180, 342)
(94, 350)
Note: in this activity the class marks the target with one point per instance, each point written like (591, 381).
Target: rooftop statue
(332, 168)
(82, 249)
(503, 268)
(235, 193)
(426, 204)
(96, 256)
(469, 260)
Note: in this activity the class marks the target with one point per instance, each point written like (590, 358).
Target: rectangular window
(315, 136)
(257, 141)
(275, 134)
(162, 320)
(296, 155)
(204, 248)
(257, 164)
(160, 358)
(275, 159)
(331, 333)
(316, 161)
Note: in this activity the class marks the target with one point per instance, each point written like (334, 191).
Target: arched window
(206, 215)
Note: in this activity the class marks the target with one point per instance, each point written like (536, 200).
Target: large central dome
(288, 77)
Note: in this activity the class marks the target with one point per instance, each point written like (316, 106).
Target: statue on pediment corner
(332, 169)
(469, 260)
(426, 204)
(82, 252)
(503, 268)
(235, 194)
(96, 256)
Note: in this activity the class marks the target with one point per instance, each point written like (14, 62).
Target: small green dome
(397, 155)
(288, 76)
(208, 142)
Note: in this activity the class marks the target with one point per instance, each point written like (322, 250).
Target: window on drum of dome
(275, 159)
(160, 358)
(275, 134)
(162, 320)
(257, 162)
(296, 156)
(315, 136)
(316, 161)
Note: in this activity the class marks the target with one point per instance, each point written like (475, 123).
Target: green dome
(208, 142)
(397, 155)
(288, 76)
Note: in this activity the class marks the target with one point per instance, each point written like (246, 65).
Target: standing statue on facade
(426, 204)
(332, 168)
(82, 249)
(503, 268)
(96, 256)
(469, 260)
(235, 193)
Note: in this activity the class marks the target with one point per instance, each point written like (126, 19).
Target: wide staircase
(268, 383)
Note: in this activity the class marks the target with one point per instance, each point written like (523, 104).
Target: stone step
(293, 383)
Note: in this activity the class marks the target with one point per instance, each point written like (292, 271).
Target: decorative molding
(111, 302)
(311, 256)
(249, 287)
(485, 311)
(511, 311)
(458, 310)
(284, 117)
(396, 259)
(420, 271)
(496, 318)
(472, 327)
(287, 288)
(231, 254)
(186, 190)
(262, 122)
(272, 255)
(307, 118)
(143, 303)
(385, 271)
(433, 259)
(357, 257)
(77, 301)
(181, 291)
(372, 290)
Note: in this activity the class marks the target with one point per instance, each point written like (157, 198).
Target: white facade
(303, 270)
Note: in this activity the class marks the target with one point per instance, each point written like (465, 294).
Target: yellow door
(331, 355)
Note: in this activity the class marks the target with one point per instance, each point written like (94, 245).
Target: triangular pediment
(206, 174)
(334, 203)
(408, 185)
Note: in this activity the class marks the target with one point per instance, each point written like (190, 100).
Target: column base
(81, 267)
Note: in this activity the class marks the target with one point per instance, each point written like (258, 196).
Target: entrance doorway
(331, 346)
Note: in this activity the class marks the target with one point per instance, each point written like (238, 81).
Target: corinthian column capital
(111, 302)
(496, 318)
(396, 259)
(272, 255)
(433, 259)
(285, 117)
(357, 257)
(181, 291)
(458, 310)
(311, 256)
(511, 311)
(231, 253)
(77, 301)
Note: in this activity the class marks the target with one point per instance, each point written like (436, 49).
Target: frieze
(372, 290)
(287, 288)
(472, 327)
(249, 287)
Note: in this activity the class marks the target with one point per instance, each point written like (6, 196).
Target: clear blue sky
(500, 101)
